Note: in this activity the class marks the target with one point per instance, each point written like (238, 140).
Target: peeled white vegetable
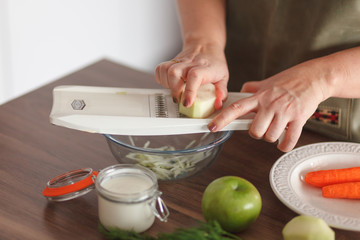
(203, 105)
(307, 228)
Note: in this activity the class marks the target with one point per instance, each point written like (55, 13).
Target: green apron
(265, 37)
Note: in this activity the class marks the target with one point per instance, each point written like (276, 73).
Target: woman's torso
(265, 37)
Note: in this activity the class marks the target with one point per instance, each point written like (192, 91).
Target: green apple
(233, 202)
(307, 228)
(203, 105)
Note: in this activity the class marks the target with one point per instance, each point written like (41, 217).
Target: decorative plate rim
(280, 174)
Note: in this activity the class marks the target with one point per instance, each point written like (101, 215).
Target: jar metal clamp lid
(70, 185)
(79, 182)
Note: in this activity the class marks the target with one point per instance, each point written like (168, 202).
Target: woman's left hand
(283, 102)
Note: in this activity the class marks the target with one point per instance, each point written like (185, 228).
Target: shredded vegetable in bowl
(170, 157)
(168, 167)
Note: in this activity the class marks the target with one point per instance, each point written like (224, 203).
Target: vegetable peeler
(129, 111)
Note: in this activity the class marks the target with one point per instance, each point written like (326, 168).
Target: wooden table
(32, 151)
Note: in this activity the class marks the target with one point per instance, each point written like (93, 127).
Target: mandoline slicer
(129, 111)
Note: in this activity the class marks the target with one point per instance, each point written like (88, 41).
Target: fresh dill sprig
(118, 234)
(206, 231)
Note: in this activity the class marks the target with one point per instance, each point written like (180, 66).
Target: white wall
(42, 40)
(5, 82)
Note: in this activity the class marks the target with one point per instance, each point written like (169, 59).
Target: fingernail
(175, 100)
(212, 127)
(186, 102)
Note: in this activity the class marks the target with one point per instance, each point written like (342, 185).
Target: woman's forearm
(344, 74)
(203, 21)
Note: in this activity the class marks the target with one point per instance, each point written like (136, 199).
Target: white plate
(287, 174)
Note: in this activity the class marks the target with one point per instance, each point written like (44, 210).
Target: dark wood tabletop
(32, 151)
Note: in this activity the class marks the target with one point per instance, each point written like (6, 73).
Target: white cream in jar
(128, 197)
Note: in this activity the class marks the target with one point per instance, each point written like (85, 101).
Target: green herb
(206, 231)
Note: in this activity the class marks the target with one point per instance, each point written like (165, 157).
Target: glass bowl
(169, 157)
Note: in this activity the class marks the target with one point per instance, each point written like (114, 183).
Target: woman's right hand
(195, 65)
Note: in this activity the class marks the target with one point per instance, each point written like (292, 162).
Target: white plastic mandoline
(129, 111)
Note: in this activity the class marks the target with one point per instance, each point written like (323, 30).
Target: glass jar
(128, 195)
(128, 198)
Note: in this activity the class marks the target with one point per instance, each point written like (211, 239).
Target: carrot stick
(349, 190)
(333, 176)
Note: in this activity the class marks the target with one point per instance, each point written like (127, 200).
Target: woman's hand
(202, 59)
(283, 102)
(197, 64)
